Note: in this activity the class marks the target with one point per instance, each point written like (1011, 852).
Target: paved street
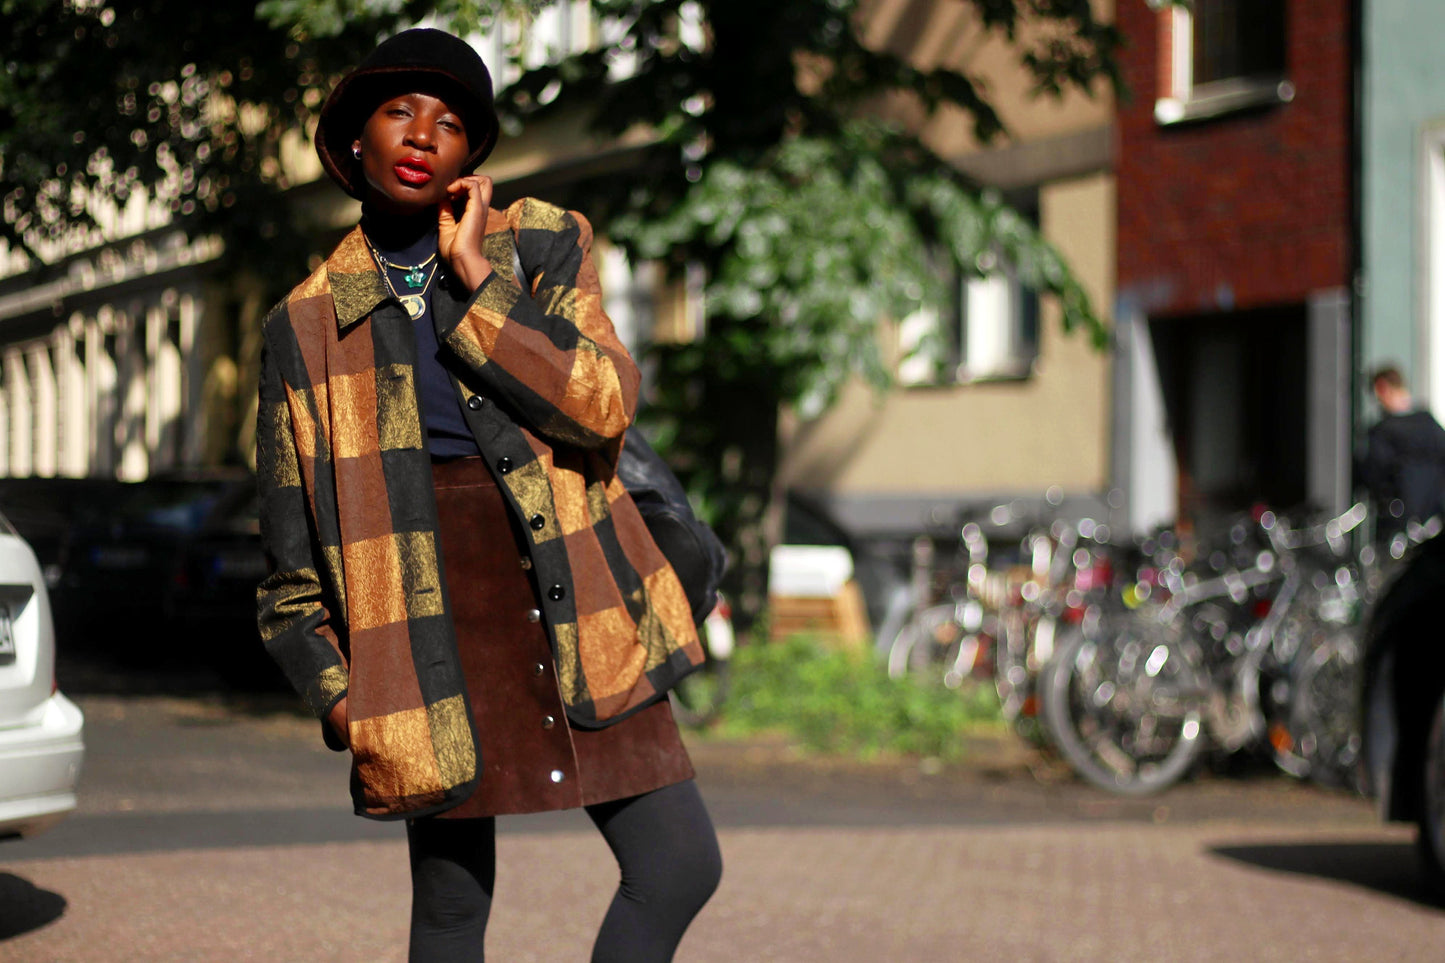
(222, 832)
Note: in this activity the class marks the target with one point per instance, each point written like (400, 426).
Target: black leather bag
(693, 550)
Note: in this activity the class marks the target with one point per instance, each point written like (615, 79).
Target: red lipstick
(414, 170)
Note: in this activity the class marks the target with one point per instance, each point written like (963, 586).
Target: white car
(40, 730)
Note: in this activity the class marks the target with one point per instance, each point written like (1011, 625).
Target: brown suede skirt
(532, 759)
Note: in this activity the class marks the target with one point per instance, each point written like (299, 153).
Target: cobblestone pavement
(210, 836)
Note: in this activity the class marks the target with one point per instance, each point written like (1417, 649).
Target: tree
(815, 220)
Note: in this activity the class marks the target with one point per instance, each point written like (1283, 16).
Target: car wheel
(1431, 840)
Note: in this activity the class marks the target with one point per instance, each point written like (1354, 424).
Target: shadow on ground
(1389, 868)
(25, 907)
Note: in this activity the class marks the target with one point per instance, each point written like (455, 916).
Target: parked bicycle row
(1134, 657)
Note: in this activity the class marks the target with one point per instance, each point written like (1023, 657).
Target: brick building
(1235, 259)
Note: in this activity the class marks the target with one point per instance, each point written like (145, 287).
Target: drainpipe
(1359, 289)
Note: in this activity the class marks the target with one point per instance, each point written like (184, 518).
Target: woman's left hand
(460, 242)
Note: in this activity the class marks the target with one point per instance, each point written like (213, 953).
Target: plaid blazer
(356, 603)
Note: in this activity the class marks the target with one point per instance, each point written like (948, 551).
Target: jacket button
(538, 523)
(534, 615)
(558, 775)
(556, 593)
(504, 464)
(538, 668)
(475, 402)
(548, 722)
(526, 564)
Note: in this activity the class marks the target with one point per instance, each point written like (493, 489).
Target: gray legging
(665, 847)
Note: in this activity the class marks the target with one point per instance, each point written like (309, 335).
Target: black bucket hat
(431, 56)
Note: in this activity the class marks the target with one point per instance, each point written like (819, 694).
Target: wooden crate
(838, 619)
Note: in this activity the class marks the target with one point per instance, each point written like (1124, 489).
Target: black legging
(665, 847)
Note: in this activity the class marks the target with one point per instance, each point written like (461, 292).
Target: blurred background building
(1236, 256)
(1018, 406)
(1263, 218)
(1401, 150)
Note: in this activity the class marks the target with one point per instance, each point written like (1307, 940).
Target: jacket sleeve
(552, 355)
(294, 620)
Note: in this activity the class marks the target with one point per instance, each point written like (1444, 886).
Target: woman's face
(412, 146)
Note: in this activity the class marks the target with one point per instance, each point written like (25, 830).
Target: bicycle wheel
(928, 645)
(1321, 711)
(1124, 705)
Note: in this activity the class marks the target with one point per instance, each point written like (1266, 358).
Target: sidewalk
(1002, 857)
(1056, 893)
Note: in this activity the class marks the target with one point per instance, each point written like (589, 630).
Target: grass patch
(842, 701)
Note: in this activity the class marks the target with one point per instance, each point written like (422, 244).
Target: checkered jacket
(356, 603)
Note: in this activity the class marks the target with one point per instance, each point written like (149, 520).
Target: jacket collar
(357, 286)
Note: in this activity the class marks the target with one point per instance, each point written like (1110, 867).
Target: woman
(461, 589)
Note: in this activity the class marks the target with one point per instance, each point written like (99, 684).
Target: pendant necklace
(415, 277)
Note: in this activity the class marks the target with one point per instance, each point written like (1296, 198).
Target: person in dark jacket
(1403, 466)
(461, 587)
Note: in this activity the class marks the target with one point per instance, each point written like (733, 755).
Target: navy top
(447, 434)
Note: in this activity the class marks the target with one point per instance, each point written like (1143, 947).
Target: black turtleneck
(408, 242)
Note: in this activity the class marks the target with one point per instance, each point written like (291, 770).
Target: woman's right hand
(336, 718)
(460, 243)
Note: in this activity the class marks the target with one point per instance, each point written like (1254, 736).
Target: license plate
(7, 637)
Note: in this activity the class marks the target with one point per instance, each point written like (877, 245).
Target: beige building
(109, 354)
(1021, 406)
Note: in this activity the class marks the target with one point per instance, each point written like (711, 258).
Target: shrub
(842, 701)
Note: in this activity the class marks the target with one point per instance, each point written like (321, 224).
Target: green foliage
(329, 18)
(187, 101)
(842, 701)
(190, 102)
(827, 237)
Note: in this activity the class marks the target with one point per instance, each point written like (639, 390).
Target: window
(988, 327)
(556, 29)
(647, 306)
(1221, 56)
(553, 31)
(988, 331)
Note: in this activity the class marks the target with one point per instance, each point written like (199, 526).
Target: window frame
(1186, 101)
(950, 324)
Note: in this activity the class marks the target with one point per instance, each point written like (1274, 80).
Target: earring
(356, 152)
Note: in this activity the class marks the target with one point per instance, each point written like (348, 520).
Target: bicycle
(1229, 661)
